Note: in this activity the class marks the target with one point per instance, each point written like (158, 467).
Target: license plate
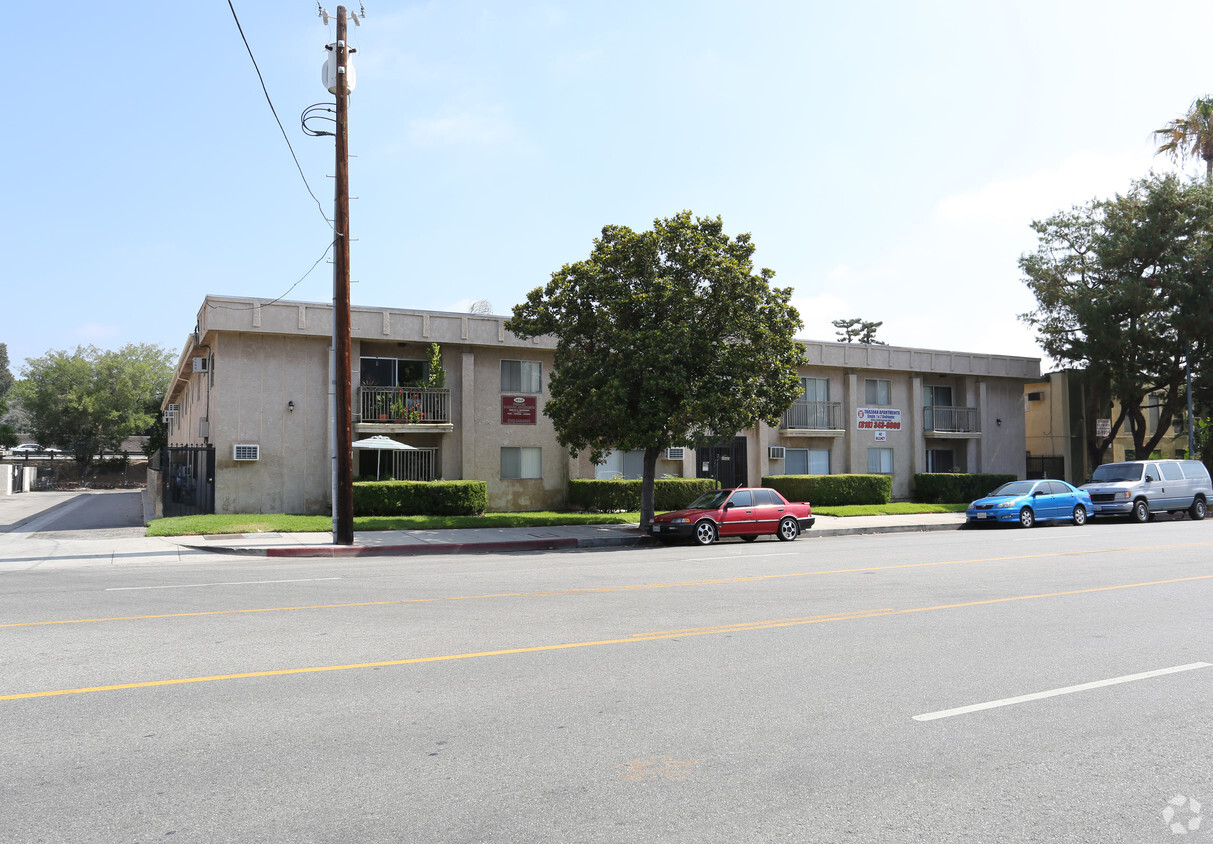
(981, 515)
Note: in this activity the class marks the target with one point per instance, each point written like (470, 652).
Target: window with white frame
(815, 389)
(521, 376)
(521, 462)
(621, 464)
(807, 461)
(880, 461)
(876, 391)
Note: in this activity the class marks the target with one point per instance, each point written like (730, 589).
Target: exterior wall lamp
(290, 405)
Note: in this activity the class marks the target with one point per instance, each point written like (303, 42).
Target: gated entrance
(1046, 466)
(187, 477)
(726, 463)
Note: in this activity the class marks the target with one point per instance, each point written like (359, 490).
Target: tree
(857, 331)
(6, 376)
(1190, 136)
(664, 338)
(91, 400)
(1124, 288)
(8, 436)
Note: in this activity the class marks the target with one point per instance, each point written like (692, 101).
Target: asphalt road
(797, 692)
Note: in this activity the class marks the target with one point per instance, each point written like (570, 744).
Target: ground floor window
(880, 461)
(621, 464)
(941, 460)
(807, 461)
(521, 462)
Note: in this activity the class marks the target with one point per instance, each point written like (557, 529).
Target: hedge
(624, 495)
(420, 498)
(833, 490)
(949, 488)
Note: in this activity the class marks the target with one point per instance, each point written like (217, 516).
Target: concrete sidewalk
(26, 525)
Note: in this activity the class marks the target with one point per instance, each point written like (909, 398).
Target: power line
(288, 290)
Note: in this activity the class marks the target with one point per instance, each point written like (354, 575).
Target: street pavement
(37, 525)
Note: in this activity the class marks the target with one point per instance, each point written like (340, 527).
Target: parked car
(1141, 488)
(1029, 502)
(745, 512)
(29, 447)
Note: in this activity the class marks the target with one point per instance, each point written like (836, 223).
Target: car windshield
(1117, 472)
(1014, 488)
(710, 500)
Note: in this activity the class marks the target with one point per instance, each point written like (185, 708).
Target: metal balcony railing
(813, 416)
(404, 405)
(951, 420)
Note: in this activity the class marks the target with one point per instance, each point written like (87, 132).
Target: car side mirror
(1149, 479)
(728, 506)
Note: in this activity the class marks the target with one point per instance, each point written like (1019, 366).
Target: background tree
(1124, 289)
(91, 400)
(1190, 136)
(664, 338)
(857, 331)
(8, 434)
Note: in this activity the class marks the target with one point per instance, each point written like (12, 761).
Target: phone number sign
(878, 419)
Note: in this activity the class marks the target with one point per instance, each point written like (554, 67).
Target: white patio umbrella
(381, 444)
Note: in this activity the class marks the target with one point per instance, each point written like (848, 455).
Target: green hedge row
(624, 496)
(420, 498)
(947, 488)
(833, 490)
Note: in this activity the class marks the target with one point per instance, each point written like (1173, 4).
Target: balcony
(403, 408)
(813, 418)
(954, 422)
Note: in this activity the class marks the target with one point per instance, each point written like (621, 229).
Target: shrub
(950, 488)
(624, 496)
(420, 498)
(833, 490)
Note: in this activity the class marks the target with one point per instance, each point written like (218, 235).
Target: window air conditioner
(201, 364)
(674, 453)
(246, 451)
(776, 452)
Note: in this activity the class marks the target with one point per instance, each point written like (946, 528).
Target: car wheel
(1026, 517)
(1198, 510)
(705, 533)
(1141, 511)
(1080, 515)
(789, 529)
(748, 538)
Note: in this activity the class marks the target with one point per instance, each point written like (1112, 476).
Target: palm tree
(1191, 136)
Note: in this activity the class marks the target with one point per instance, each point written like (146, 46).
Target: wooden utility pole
(343, 513)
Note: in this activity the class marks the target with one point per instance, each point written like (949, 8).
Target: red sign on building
(519, 410)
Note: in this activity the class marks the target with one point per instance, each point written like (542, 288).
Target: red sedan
(746, 512)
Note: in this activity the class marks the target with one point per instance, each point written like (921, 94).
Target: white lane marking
(230, 583)
(1129, 678)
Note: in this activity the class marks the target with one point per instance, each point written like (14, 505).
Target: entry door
(725, 463)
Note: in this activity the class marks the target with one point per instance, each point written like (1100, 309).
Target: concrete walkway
(26, 530)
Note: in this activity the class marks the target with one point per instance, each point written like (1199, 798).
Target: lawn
(282, 523)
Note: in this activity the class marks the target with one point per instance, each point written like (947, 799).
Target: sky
(887, 158)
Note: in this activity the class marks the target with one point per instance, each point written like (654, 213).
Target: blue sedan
(1029, 502)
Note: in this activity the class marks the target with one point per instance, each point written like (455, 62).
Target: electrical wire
(284, 295)
(298, 166)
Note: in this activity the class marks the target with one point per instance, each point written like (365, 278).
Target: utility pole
(343, 511)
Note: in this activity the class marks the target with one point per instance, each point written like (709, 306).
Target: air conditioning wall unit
(776, 452)
(246, 451)
(173, 409)
(676, 453)
(202, 364)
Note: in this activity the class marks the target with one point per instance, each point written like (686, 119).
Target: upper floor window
(521, 376)
(815, 389)
(876, 391)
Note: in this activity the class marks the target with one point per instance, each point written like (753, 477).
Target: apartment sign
(519, 410)
(878, 419)
(1103, 427)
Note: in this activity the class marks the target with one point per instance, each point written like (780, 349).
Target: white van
(1141, 488)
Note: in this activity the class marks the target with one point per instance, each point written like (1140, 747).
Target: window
(742, 499)
(807, 461)
(521, 376)
(876, 391)
(521, 462)
(815, 389)
(766, 497)
(392, 372)
(621, 464)
(940, 460)
(1171, 472)
(880, 461)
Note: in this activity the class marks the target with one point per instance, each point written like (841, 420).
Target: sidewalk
(23, 516)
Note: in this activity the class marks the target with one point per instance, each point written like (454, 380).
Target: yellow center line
(643, 637)
(601, 589)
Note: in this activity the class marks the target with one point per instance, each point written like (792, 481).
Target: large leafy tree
(1124, 288)
(664, 338)
(92, 400)
(857, 331)
(8, 436)
(1190, 136)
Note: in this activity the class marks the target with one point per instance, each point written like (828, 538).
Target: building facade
(255, 380)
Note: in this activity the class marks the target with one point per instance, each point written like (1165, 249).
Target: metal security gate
(726, 463)
(18, 473)
(1046, 466)
(187, 477)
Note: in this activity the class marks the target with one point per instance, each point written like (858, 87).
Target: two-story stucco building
(254, 389)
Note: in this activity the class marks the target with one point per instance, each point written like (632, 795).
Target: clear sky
(886, 157)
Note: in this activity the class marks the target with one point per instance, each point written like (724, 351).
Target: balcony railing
(951, 420)
(404, 405)
(813, 416)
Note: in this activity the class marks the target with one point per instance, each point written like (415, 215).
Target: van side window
(1195, 470)
(1152, 473)
(1172, 472)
